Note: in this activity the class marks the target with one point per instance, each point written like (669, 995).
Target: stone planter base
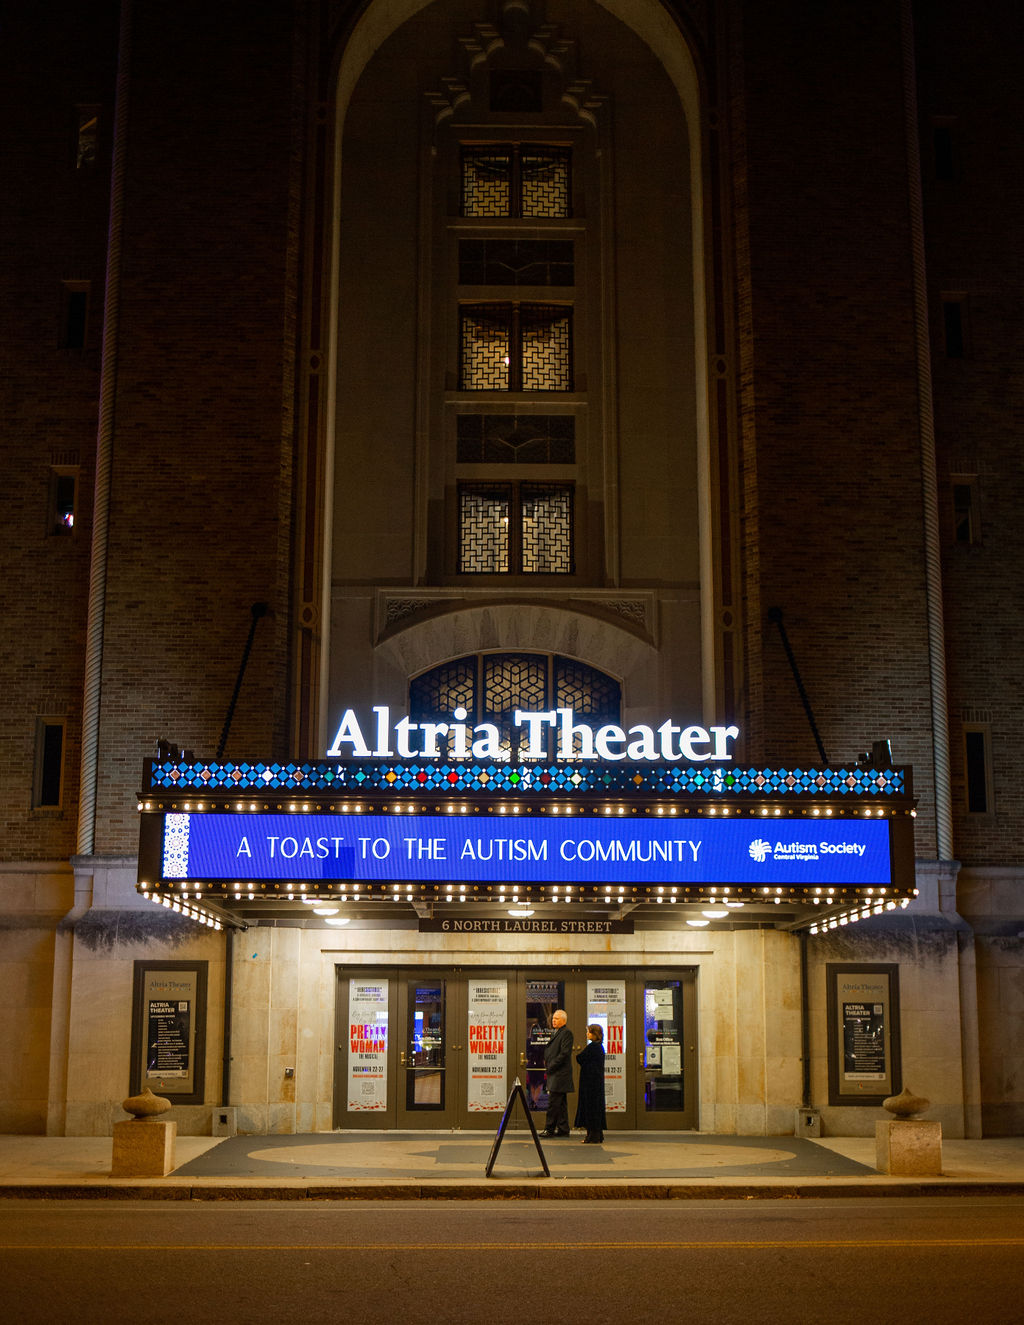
(908, 1147)
(143, 1148)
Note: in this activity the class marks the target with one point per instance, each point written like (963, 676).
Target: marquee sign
(639, 815)
(430, 848)
(404, 739)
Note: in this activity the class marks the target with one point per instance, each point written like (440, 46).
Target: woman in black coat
(590, 1101)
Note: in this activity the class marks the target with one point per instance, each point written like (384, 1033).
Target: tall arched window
(491, 686)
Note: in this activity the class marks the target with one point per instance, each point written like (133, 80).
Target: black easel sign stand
(517, 1093)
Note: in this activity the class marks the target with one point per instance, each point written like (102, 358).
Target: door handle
(522, 1059)
(401, 1058)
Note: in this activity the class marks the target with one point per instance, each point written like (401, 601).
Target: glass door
(442, 1048)
(399, 1055)
(666, 1079)
(540, 998)
(427, 1053)
(487, 1074)
(363, 1059)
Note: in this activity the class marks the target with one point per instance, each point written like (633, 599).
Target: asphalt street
(847, 1260)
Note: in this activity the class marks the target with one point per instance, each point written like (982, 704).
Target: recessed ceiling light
(698, 924)
(342, 921)
(715, 915)
(520, 912)
(326, 910)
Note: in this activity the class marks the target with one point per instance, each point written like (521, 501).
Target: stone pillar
(908, 1147)
(904, 1144)
(143, 1148)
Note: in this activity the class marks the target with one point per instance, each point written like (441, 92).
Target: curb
(542, 1190)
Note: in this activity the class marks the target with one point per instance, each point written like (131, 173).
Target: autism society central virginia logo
(759, 850)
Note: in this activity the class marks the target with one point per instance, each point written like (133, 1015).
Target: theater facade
(514, 505)
(445, 910)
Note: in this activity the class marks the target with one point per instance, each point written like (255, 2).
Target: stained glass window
(516, 180)
(546, 525)
(491, 686)
(516, 262)
(484, 529)
(506, 439)
(517, 528)
(516, 347)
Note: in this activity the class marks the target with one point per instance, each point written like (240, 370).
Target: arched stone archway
(531, 628)
(448, 633)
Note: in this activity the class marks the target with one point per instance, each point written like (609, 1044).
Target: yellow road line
(816, 1244)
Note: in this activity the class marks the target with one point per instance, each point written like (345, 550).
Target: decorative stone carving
(631, 609)
(145, 1106)
(397, 609)
(905, 1105)
(542, 44)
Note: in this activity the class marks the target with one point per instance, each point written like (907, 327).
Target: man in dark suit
(558, 1064)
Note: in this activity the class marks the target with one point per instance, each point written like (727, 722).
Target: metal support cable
(95, 622)
(258, 610)
(775, 616)
(929, 481)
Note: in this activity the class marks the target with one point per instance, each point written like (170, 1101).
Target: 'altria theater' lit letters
(573, 740)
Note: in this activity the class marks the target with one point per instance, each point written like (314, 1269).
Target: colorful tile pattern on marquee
(336, 779)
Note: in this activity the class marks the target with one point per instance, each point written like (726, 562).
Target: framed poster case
(863, 1032)
(169, 1030)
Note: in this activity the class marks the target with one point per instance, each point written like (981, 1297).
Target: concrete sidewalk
(451, 1165)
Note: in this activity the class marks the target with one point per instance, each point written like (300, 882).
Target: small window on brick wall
(978, 769)
(516, 529)
(966, 516)
(49, 779)
(87, 123)
(943, 149)
(515, 347)
(954, 325)
(74, 314)
(63, 505)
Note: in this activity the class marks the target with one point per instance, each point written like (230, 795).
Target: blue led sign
(376, 848)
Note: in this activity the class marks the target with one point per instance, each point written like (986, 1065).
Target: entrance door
(425, 1049)
(399, 1053)
(538, 997)
(428, 1054)
(665, 1078)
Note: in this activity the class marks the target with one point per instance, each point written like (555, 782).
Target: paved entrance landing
(632, 1155)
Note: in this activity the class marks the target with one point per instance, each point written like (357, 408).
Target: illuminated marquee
(441, 849)
(405, 739)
